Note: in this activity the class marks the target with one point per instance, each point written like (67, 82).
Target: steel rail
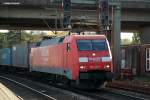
(124, 94)
(50, 97)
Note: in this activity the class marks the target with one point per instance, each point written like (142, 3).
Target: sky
(126, 35)
(3, 31)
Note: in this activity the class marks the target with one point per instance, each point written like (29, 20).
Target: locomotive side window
(97, 45)
(68, 47)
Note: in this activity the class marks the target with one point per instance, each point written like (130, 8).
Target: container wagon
(20, 55)
(5, 57)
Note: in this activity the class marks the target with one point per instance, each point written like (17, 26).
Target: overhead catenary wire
(45, 22)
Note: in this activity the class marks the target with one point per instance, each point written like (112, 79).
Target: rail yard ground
(137, 84)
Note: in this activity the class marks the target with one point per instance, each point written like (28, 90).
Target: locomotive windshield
(96, 45)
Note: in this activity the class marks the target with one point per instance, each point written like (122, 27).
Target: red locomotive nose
(94, 61)
(93, 55)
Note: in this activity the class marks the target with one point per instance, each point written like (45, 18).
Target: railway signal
(67, 13)
(104, 23)
(104, 16)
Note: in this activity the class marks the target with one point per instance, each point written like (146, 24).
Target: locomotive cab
(94, 61)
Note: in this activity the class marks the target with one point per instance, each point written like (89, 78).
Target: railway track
(100, 94)
(131, 86)
(57, 93)
(137, 96)
(113, 94)
(107, 94)
(39, 95)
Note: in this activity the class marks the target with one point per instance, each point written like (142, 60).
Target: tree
(15, 37)
(31, 37)
(126, 41)
(136, 38)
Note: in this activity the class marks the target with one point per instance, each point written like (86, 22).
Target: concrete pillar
(145, 34)
(116, 41)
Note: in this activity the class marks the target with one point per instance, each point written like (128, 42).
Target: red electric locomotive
(84, 60)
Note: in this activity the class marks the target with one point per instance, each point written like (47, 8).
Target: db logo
(95, 59)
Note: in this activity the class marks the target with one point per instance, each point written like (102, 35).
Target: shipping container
(130, 62)
(145, 60)
(20, 54)
(5, 56)
(135, 60)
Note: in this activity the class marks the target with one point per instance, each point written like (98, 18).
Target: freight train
(83, 61)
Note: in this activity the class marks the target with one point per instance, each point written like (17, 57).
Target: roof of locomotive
(88, 36)
(71, 37)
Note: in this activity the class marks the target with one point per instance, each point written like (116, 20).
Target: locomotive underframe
(100, 75)
(93, 79)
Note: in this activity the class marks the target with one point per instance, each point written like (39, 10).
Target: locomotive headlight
(93, 54)
(82, 67)
(107, 67)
